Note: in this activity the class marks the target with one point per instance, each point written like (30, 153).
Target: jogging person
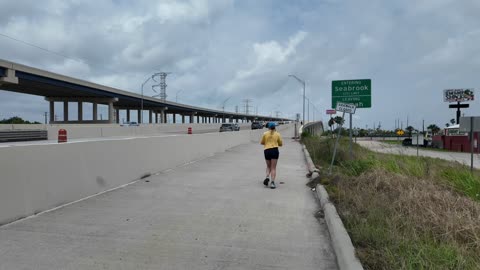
(271, 140)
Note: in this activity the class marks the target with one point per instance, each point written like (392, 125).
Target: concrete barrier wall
(314, 128)
(36, 178)
(21, 126)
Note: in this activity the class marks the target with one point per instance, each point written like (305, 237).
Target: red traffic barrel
(189, 130)
(62, 135)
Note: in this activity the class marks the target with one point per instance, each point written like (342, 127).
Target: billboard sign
(458, 95)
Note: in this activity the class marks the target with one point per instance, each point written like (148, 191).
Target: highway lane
(163, 134)
(463, 158)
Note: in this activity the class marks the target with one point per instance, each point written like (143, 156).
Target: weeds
(404, 212)
(463, 181)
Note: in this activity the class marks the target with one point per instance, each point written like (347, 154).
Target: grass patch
(404, 212)
(463, 181)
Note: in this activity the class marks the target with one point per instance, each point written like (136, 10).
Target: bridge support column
(192, 117)
(128, 115)
(94, 113)
(198, 119)
(111, 113)
(174, 118)
(139, 116)
(52, 111)
(80, 111)
(163, 115)
(183, 119)
(117, 116)
(65, 111)
(150, 118)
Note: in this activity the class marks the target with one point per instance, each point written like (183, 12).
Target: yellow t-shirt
(271, 139)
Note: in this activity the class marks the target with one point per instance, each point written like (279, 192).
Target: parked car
(407, 142)
(228, 127)
(257, 125)
(129, 124)
(237, 127)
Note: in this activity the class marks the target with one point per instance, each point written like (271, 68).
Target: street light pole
(141, 106)
(176, 95)
(303, 83)
(223, 108)
(308, 109)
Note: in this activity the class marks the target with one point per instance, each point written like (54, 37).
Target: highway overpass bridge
(54, 87)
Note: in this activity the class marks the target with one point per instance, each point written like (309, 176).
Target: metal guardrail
(22, 135)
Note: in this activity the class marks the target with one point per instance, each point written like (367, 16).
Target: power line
(59, 54)
(41, 48)
(247, 101)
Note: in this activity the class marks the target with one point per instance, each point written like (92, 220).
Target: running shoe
(272, 185)
(265, 182)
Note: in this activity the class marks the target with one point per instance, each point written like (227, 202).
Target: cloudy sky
(217, 49)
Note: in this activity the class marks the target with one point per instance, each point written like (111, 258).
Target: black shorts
(271, 153)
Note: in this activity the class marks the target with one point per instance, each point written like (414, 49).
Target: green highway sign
(357, 92)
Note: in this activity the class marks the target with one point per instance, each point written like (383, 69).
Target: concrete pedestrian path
(214, 213)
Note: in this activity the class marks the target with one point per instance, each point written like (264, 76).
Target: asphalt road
(163, 134)
(463, 158)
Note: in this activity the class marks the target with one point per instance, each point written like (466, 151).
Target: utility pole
(247, 101)
(303, 83)
(223, 108)
(162, 84)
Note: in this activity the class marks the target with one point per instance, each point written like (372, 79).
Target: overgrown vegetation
(404, 212)
(16, 120)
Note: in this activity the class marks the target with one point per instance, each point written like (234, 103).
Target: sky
(245, 49)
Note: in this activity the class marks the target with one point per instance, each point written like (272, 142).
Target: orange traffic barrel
(62, 136)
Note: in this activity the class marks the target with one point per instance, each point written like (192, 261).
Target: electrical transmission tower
(247, 101)
(162, 85)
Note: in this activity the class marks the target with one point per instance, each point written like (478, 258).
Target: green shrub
(463, 181)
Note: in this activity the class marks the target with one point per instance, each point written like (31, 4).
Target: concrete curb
(341, 242)
(310, 166)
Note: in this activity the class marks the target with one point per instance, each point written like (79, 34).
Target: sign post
(470, 124)
(336, 144)
(344, 108)
(471, 144)
(347, 95)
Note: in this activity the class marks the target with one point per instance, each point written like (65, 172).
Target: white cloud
(245, 49)
(268, 57)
